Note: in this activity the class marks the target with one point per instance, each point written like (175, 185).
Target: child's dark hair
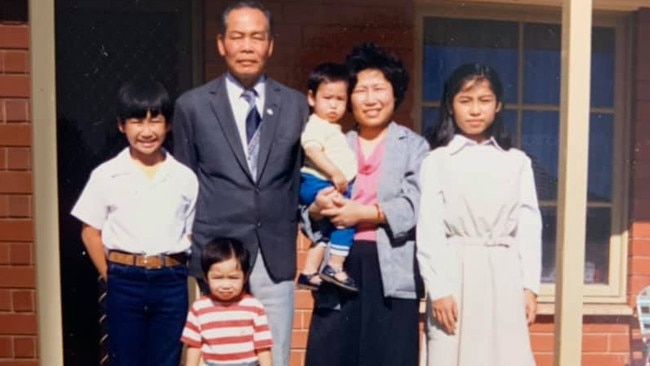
(220, 250)
(369, 56)
(327, 72)
(139, 96)
(464, 74)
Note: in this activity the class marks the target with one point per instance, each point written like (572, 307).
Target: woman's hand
(445, 311)
(324, 199)
(530, 303)
(345, 212)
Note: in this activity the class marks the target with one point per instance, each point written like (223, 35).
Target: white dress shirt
(476, 193)
(239, 104)
(136, 213)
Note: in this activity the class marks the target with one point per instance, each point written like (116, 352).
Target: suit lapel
(270, 121)
(221, 107)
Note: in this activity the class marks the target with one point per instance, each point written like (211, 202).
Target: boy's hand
(340, 182)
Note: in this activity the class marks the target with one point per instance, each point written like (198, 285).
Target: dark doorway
(99, 45)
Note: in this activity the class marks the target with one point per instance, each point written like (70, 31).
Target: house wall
(308, 32)
(18, 322)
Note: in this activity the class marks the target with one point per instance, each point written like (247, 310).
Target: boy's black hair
(251, 4)
(327, 72)
(139, 96)
(222, 249)
(462, 75)
(370, 56)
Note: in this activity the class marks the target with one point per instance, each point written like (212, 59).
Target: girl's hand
(530, 303)
(192, 356)
(445, 311)
(264, 357)
(345, 213)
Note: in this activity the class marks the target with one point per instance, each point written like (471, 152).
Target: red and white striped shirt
(227, 332)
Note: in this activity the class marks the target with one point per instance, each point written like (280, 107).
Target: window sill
(587, 309)
(590, 309)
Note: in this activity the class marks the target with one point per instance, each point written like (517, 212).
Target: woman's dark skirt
(369, 330)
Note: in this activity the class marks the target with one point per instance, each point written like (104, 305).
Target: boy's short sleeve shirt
(138, 214)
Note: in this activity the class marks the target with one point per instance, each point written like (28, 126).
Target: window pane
(429, 120)
(549, 232)
(596, 250)
(599, 187)
(449, 43)
(510, 123)
(441, 61)
(542, 64)
(602, 67)
(539, 139)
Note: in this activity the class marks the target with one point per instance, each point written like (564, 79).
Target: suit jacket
(261, 212)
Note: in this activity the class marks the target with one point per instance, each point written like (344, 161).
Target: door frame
(44, 168)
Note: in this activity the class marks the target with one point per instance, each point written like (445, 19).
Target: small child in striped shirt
(228, 326)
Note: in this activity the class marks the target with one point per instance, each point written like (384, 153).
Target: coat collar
(459, 142)
(395, 154)
(124, 165)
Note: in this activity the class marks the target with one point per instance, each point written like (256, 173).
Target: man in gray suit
(240, 133)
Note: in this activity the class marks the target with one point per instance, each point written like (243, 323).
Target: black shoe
(328, 274)
(304, 281)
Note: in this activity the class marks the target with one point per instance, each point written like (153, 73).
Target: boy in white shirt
(137, 211)
(330, 162)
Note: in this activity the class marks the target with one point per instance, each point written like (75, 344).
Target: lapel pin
(269, 112)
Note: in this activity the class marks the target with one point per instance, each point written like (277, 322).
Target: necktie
(253, 118)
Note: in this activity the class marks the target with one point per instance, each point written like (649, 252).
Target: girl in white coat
(479, 230)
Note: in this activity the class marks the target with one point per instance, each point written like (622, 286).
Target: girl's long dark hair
(447, 127)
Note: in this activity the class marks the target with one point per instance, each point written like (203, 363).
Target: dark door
(99, 45)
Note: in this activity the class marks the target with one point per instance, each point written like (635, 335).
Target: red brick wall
(18, 323)
(605, 342)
